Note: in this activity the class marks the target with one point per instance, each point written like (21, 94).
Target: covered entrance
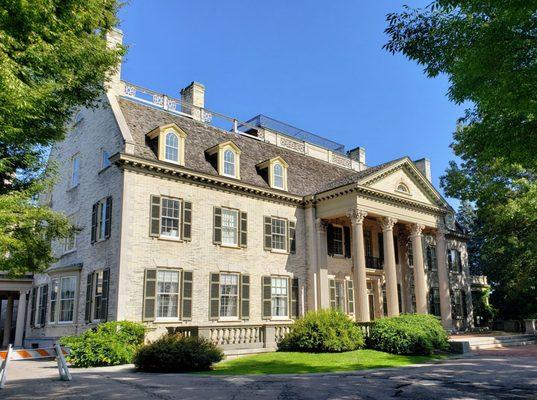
(13, 300)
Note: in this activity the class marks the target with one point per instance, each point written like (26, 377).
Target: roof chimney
(193, 94)
(357, 154)
(114, 38)
(424, 165)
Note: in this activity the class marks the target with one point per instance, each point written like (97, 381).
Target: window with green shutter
(150, 292)
(245, 297)
(187, 220)
(186, 295)
(214, 290)
(217, 225)
(350, 297)
(292, 237)
(295, 293)
(267, 297)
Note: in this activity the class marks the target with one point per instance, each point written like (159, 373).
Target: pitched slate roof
(306, 175)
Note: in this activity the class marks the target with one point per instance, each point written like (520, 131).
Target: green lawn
(302, 363)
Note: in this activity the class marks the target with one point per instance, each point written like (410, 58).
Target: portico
(13, 300)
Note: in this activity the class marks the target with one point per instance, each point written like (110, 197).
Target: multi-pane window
(279, 295)
(54, 288)
(98, 294)
(279, 234)
(170, 215)
(277, 176)
(167, 293)
(340, 295)
(67, 298)
(70, 241)
(338, 240)
(434, 301)
(368, 243)
(454, 260)
(457, 304)
(229, 163)
(75, 170)
(229, 295)
(230, 227)
(172, 147)
(431, 258)
(105, 159)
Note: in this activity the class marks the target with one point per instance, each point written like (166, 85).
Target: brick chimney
(114, 38)
(357, 154)
(424, 165)
(193, 94)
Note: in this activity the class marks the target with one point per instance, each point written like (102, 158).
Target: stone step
(500, 339)
(500, 345)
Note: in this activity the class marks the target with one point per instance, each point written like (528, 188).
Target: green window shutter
(330, 239)
(32, 311)
(94, 211)
(43, 305)
(350, 297)
(347, 237)
(187, 220)
(155, 216)
(217, 229)
(245, 296)
(104, 296)
(89, 297)
(186, 295)
(150, 294)
(108, 218)
(267, 242)
(267, 296)
(244, 229)
(214, 290)
(294, 298)
(332, 288)
(449, 259)
(459, 260)
(292, 237)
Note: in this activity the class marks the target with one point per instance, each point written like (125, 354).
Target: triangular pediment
(403, 179)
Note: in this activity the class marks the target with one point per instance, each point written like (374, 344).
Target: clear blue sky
(318, 65)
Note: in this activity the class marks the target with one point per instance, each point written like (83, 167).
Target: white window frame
(236, 296)
(61, 299)
(343, 296)
(285, 235)
(233, 163)
(72, 238)
(275, 176)
(96, 276)
(105, 159)
(158, 294)
(177, 149)
(237, 223)
(274, 296)
(54, 309)
(74, 169)
(100, 234)
(179, 218)
(340, 229)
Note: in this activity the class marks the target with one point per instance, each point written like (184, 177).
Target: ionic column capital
(321, 225)
(356, 215)
(441, 232)
(416, 229)
(387, 223)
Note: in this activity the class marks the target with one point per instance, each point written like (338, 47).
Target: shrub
(408, 334)
(323, 331)
(177, 353)
(109, 343)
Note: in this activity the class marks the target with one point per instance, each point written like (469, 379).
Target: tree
(55, 59)
(467, 219)
(488, 51)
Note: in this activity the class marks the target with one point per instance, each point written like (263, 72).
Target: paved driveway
(505, 374)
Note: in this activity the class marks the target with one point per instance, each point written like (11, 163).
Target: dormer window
(225, 157)
(275, 172)
(170, 143)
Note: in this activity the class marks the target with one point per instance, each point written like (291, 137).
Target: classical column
(390, 271)
(443, 278)
(420, 283)
(311, 258)
(322, 261)
(21, 312)
(361, 302)
(7, 322)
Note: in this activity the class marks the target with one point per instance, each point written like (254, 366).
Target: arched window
(403, 188)
(229, 163)
(277, 176)
(172, 147)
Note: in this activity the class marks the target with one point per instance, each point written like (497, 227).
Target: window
(170, 222)
(278, 234)
(410, 253)
(105, 159)
(101, 220)
(98, 294)
(70, 241)
(229, 163)
(75, 170)
(277, 176)
(54, 288)
(67, 298)
(457, 304)
(431, 258)
(279, 296)
(340, 295)
(401, 187)
(229, 295)
(454, 260)
(338, 241)
(172, 147)
(230, 227)
(42, 306)
(167, 293)
(434, 301)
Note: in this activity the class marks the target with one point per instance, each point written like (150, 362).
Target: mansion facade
(190, 221)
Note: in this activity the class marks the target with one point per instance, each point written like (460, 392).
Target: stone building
(194, 222)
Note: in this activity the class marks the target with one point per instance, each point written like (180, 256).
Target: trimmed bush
(416, 334)
(325, 331)
(177, 353)
(109, 343)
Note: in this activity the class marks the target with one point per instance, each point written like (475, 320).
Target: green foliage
(323, 331)
(483, 311)
(109, 343)
(416, 334)
(177, 353)
(487, 50)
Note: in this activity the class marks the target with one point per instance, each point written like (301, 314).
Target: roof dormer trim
(160, 133)
(269, 165)
(220, 149)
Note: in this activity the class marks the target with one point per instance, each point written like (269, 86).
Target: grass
(302, 363)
